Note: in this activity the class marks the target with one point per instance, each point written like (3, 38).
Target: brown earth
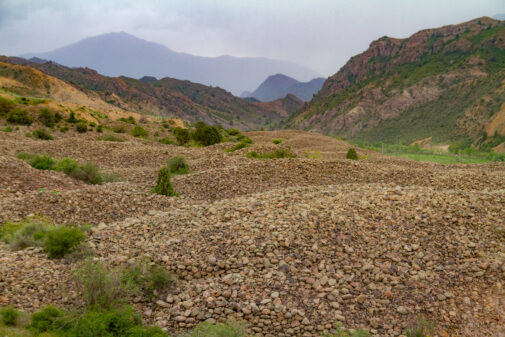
(291, 246)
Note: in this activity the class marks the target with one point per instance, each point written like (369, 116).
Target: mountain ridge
(279, 85)
(446, 83)
(115, 54)
(165, 97)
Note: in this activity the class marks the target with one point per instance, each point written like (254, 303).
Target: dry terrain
(291, 246)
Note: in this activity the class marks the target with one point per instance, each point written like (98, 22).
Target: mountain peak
(279, 85)
(121, 53)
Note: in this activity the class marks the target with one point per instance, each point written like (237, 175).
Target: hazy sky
(320, 34)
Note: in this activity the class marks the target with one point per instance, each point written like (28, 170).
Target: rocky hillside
(165, 97)
(290, 246)
(279, 85)
(446, 83)
(284, 106)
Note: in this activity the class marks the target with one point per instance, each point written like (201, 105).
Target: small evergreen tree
(163, 184)
(352, 154)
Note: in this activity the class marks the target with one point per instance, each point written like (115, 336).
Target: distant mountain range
(444, 85)
(164, 97)
(117, 54)
(279, 85)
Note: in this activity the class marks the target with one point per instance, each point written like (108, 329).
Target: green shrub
(163, 184)
(111, 138)
(233, 132)
(42, 162)
(352, 154)
(6, 105)
(46, 319)
(207, 135)
(89, 173)
(237, 146)
(118, 129)
(29, 232)
(64, 129)
(231, 329)
(102, 289)
(99, 128)
(148, 278)
(139, 131)
(178, 165)
(277, 141)
(48, 117)
(42, 134)
(130, 120)
(66, 165)
(9, 316)
(62, 240)
(277, 154)
(244, 139)
(72, 119)
(8, 128)
(181, 135)
(81, 127)
(30, 235)
(166, 140)
(19, 116)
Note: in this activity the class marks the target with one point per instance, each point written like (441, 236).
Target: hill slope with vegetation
(165, 97)
(446, 83)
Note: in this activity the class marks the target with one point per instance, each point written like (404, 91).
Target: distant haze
(319, 34)
(116, 54)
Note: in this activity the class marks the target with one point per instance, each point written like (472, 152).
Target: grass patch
(277, 141)
(279, 153)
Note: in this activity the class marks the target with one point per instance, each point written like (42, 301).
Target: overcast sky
(320, 34)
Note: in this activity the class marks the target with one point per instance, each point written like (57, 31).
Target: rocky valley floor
(291, 246)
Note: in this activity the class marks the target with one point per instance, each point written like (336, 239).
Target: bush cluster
(182, 135)
(139, 131)
(277, 141)
(57, 241)
(279, 153)
(48, 117)
(129, 120)
(42, 133)
(88, 172)
(207, 135)
(19, 116)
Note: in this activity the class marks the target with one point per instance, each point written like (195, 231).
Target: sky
(319, 34)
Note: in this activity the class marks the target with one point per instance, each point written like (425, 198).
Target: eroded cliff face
(398, 79)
